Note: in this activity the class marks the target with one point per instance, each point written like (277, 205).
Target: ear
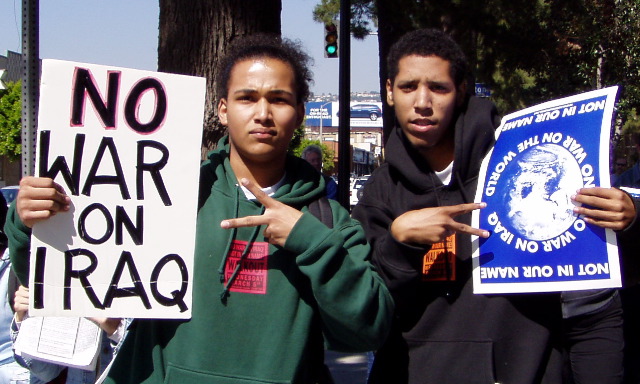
(389, 92)
(300, 111)
(222, 111)
(462, 94)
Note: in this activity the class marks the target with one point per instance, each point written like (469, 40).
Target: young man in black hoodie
(416, 209)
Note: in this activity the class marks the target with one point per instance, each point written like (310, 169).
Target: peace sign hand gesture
(432, 225)
(279, 218)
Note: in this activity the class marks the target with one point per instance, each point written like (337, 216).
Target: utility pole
(344, 87)
(30, 82)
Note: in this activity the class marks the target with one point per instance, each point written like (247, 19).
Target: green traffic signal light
(331, 40)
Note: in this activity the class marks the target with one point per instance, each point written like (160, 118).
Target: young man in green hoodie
(253, 223)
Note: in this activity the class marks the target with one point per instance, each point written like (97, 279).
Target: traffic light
(330, 40)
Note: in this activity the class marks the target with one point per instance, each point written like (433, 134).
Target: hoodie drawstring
(463, 192)
(227, 248)
(465, 198)
(447, 264)
(225, 291)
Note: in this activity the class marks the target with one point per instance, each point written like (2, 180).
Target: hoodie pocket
(181, 375)
(469, 362)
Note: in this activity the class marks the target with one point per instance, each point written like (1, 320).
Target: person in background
(10, 369)
(313, 154)
(620, 165)
(631, 177)
(630, 294)
(46, 372)
(421, 197)
(272, 282)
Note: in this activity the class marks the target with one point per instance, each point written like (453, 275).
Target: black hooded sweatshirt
(442, 332)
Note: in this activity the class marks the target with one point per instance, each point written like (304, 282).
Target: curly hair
(428, 42)
(269, 46)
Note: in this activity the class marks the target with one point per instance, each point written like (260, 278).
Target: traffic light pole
(344, 96)
(30, 83)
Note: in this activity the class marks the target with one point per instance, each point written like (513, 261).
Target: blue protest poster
(542, 156)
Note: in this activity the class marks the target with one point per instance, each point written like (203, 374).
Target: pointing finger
(247, 221)
(461, 209)
(463, 228)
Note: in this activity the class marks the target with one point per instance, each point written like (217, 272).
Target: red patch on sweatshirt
(439, 264)
(252, 277)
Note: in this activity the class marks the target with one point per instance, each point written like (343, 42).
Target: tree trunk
(194, 36)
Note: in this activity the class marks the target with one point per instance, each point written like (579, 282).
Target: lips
(262, 132)
(423, 123)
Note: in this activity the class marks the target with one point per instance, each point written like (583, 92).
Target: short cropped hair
(311, 149)
(428, 42)
(267, 46)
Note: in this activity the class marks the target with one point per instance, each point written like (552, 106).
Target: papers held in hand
(70, 341)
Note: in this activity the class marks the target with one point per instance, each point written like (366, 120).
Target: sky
(124, 33)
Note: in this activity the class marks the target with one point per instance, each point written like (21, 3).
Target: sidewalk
(347, 368)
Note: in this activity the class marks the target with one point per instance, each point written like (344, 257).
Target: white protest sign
(125, 146)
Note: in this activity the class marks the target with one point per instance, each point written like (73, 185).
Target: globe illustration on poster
(539, 192)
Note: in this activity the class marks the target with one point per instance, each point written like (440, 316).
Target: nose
(263, 110)
(423, 98)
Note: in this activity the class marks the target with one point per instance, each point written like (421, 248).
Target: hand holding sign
(39, 198)
(605, 207)
(432, 225)
(21, 302)
(279, 218)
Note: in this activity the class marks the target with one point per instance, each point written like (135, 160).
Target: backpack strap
(12, 286)
(321, 208)
(321, 374)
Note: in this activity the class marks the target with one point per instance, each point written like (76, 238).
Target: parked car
(366, 111)
(354, 191)
(9, 193)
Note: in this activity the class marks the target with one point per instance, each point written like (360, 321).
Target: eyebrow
(415, 81)
(271, 92)
(405, 82)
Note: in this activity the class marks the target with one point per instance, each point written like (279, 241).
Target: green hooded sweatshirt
(267, 325)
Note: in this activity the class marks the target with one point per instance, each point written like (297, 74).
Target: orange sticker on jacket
(439, 264)
(252, 277)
